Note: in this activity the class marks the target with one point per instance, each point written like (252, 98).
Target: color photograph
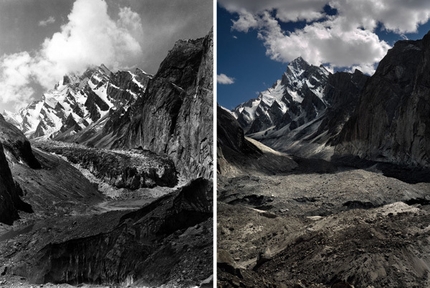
(323, 143)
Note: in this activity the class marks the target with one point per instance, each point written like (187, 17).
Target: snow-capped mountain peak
(297, 96)
(297, 66)
(76, 101)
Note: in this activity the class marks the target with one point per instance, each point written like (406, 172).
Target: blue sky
(44, 39)
(255, 41)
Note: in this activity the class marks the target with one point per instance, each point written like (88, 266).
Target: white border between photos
(214, 83)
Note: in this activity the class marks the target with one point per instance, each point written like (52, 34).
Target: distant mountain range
(296, 98)
(311, 112)
(80, 100)
(304, 111)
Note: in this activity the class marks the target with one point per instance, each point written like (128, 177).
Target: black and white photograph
(106, 143)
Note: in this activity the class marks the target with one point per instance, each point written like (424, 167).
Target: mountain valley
(323, 180)
(107, 181)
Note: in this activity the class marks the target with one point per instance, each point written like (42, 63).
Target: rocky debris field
(130, 169)
(77, 235)
(169, 242)
(323, 225)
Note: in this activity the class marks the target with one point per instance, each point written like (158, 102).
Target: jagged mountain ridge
(295, 98)
(304, 112)
(317, 137)
(173, 117)
(381, 118)
(79, 100)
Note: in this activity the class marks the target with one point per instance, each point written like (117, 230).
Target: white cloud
(90, 37)
(307, 10)
(224, 79)
(396, 15)
(45, 22)
(130, 21)
(15, 78)
(347, 39)
(322, 42)
(245, 22)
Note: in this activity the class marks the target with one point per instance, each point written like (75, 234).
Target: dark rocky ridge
(237, 154)
(15, 148)
(342, 92)
(173, 116)
(145, 245)
(10, 192)
(231, 136)
(17, 144)
(391, 122)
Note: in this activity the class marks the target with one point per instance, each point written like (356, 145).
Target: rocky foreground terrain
(313, 223)
(352, 225)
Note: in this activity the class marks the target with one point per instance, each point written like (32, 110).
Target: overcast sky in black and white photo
(41, 40)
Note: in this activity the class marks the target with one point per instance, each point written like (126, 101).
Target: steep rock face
(14, 148)
(230, 135)
(154, 237)
(236, 154)
(343, 92)
(296, 98)
(16, 144)
(174, 115)
(391, 122)
(10, 192)
(176, 118)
